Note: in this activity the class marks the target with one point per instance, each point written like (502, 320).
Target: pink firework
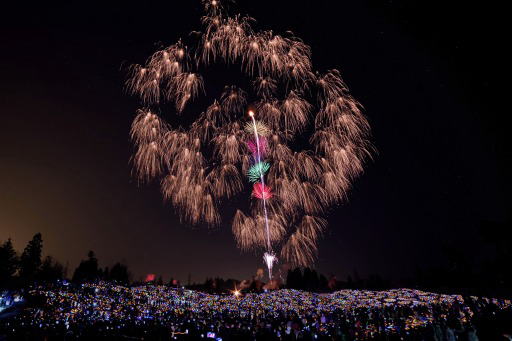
(251, 144)
(261, 191)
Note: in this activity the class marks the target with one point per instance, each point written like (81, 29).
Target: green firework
(257, 170)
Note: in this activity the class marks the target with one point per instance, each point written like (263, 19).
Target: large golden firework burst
(203, 164)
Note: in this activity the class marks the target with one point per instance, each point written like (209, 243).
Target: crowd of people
(159, 312)
(8, 300)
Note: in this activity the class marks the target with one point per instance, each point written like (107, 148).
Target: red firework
(261, 191)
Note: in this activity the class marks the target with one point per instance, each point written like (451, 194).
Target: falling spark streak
(269, 256)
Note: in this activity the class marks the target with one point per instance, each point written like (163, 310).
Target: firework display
(251, 130)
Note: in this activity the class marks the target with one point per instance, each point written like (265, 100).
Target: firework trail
(269, 256)
(201, 165)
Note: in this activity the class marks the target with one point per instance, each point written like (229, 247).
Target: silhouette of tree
(119, 273)
(51, 270)
(208, 284)
(106, 274)
(289, 279)
(8, 263)
(376, 282)
(307, 279)
(295, 279)
(322, 283)
(498, 235)
(218, 283)
(87, 270)
(231, 284)
(310, 280)
(350, 282)
(358, 281)
(30, 261)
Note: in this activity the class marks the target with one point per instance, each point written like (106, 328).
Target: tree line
(460, 270)
(18, 270)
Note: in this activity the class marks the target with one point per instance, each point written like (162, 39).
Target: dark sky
(425, 73)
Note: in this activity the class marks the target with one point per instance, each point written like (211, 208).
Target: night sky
(425, 73)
